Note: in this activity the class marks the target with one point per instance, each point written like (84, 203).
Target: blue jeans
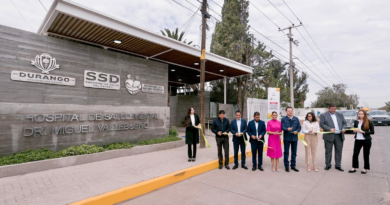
(257, 149)
(239, 144)
(294, 145)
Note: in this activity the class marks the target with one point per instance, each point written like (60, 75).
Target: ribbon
(265, 144)
(324, 132)
(302, 137)
(242, 134)
(204, 137)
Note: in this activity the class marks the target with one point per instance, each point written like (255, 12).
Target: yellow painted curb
(147, 186)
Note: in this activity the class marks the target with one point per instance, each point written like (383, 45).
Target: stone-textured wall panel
(18, 48)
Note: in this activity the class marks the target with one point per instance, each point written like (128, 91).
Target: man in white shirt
(334, 122)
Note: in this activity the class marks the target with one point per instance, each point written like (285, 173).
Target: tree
(175, 35)
(335, 94)
(300, 88)
(217, 90)
(231, 40)
(387, 106)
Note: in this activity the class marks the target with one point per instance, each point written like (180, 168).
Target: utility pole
(292, 65)
(205, 15)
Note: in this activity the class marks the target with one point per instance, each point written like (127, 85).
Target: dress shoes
(244, 167)
(235, 167)
(227, 167)
(363, 172)
(339, 168)
(190, 159)
(220, 166)
(295, 169)
(287, 169)
(352, 171)
(327, 167)
(253, 168)
(261, 169)
(193, 159)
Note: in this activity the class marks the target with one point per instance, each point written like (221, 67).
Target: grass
(32, 155)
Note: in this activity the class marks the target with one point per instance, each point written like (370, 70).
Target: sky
(351, 42)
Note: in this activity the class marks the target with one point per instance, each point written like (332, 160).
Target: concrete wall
(184, 102)
(18, 48)
(228, 108)
(172, 107)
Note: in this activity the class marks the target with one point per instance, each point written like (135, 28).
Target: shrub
(31, 155)
(173, 132)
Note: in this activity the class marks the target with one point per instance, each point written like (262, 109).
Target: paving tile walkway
(71, 184)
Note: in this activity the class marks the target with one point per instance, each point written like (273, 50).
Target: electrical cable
(22, 16)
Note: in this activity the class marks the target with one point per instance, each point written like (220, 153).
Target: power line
(313, 41)
(320, 51)
(315, 53)
(42, 5)
(184, 7)
(216, 3)
(292, 11)
(264, 15)
(274, 55)
(299, 60)
(312, 63)
(268, 39)
(149, 12)
(280, 12)
(22, 16)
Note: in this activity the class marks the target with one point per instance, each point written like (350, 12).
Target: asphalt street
(324, 187)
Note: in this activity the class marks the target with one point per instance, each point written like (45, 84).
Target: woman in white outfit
(310, 128)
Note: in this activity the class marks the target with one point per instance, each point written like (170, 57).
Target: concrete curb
(147, 186)
(37, 166)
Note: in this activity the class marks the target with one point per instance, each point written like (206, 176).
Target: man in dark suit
(238, 129)
(256, 130)
(221, 129)
(334, 122)
(290, 126)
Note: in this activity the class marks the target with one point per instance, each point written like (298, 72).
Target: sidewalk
(225, 187)
(71, 184)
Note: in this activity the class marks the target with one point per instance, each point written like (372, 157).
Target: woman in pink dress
(274, 151)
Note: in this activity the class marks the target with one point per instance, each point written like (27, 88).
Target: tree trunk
(246, 88)
(239, 96)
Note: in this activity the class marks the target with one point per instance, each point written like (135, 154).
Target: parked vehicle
(350, 116)
(380, 117)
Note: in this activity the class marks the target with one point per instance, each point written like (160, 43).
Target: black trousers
(239, 144)
(366, 144)
(223, 142)
(192, 149)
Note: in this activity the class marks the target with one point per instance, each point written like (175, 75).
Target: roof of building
(69, 20)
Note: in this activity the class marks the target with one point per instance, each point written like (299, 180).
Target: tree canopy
(335, 94)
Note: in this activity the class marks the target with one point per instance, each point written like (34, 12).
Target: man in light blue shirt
(335, 123)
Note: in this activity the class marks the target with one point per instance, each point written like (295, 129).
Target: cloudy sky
(353, 35)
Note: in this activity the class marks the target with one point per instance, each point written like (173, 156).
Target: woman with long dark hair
(310, 127)
(191, 122)
(364, 128)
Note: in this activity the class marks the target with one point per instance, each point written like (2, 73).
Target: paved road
(324, 187)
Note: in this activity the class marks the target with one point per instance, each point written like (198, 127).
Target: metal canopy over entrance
(70, 20)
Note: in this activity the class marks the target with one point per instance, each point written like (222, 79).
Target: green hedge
(31, 155)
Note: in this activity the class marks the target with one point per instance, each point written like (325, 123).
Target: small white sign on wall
(146, 88)
(42, 78)
(93, 79)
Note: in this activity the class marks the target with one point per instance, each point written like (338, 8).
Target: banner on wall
(273, 101)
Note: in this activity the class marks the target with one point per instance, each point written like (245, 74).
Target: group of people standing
(332, 123)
